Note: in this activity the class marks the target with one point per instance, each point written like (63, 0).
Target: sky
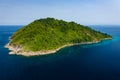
(87, 12)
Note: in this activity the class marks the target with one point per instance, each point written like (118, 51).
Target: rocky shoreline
(19, 50)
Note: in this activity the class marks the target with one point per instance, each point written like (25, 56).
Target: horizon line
(78, 23)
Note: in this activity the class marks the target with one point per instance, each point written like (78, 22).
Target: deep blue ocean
(99, 61)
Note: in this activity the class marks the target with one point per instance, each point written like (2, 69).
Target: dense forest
(50, 33)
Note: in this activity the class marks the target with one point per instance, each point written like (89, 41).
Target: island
(48, 35)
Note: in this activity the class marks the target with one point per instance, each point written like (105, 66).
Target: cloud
(81, 11)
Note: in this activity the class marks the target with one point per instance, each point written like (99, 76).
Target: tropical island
(48, 35)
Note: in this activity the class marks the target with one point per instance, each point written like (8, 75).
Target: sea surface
(99, 61)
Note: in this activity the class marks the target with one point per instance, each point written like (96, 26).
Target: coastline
(19, 50)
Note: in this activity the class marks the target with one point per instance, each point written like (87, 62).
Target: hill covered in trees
(49, 34)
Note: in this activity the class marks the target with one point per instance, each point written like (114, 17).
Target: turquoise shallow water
(99, 61)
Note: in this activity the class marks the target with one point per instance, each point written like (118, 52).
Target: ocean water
(99, 61)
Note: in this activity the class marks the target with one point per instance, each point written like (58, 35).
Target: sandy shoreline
(19, 51)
